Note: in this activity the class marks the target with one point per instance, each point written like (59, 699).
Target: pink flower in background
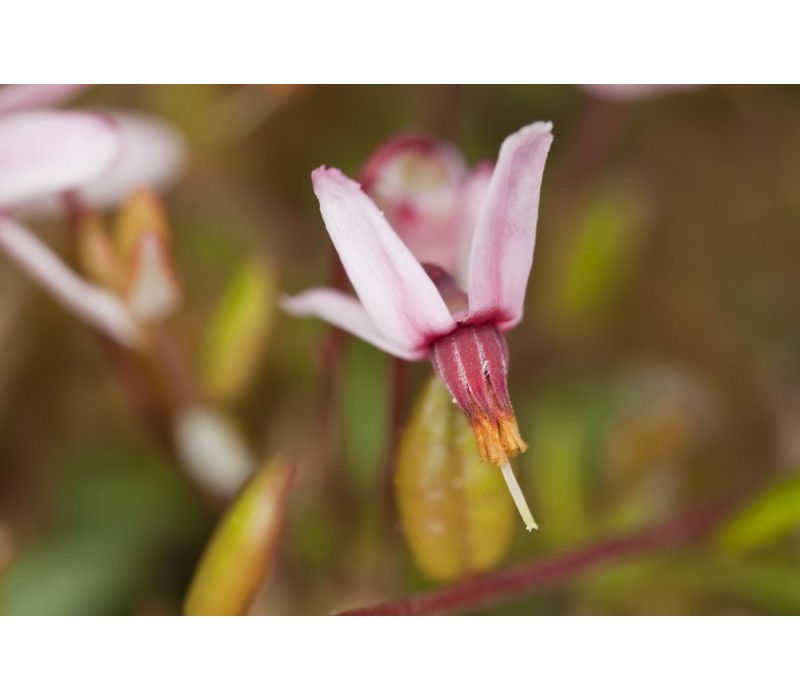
(101, 158)
(473, 235)
(429, 196)
(635, 93)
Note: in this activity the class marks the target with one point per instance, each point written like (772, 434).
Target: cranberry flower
(45, 153)
(473, 236)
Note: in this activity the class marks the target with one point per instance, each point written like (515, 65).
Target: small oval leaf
(242, 548)
(239, 331)
(456, 512)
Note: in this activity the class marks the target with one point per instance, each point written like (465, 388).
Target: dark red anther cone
(473, 362)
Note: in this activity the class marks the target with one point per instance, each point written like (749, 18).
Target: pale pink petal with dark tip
(346, 312)
(14, 98)
(94, 305)
(395, 291)
(46, 152)
(505, 235)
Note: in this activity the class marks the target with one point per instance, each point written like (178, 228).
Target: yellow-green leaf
(239, 330)
(775, 514)
(456, 511)
(242, 549)
(604, 249)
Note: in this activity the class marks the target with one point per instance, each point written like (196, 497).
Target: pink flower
(45, 153)
(473, 235)
(635, 93)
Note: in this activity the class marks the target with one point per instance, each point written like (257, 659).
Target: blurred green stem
(524, 579)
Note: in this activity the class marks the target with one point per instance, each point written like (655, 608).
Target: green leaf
(458, 517)
(604, 250)
(774, 515)
(240, 553)
(237, 336)
(366, 386)
(121, 511)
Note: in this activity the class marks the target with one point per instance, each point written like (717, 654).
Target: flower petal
(396, 292)
(415, 180)
(48, 152)
(502, 251)
(15, 98)
(471, 195)
(152, 155)
(212, 450)
(635, 93)
(92, 304)
(345, 312)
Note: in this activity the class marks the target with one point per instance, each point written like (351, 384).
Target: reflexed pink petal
(345, 312)
(46, 152)
(634, 93)
(152, 155)
(397, 294)
(92, 304)
(470, 198)
(415, 180)
(502, 251)
(14, 98)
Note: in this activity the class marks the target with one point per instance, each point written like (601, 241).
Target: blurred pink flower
(414, 307)
(45, 153)
(634, 93)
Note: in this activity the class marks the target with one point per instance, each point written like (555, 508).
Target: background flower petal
(502, 251)
(634, 93)
(396, 292)
(471, 196)
(345, 312)
(92, 304)
(49, 152)
(152, 154)
(415, 179)
(18, 97)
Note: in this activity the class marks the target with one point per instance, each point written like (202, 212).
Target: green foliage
(457, 515)
(237, 336)
(121, 512)
(774, 515)
(364, 389)
(605, 245)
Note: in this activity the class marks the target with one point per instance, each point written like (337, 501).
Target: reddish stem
(396, 410)
(497, 587)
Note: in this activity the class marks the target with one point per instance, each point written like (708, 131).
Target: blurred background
(656, 368)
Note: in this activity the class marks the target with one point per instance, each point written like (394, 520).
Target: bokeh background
(656, 369)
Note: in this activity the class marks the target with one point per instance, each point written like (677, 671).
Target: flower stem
(516, 581)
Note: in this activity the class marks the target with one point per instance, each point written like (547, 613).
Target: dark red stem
(526, 578)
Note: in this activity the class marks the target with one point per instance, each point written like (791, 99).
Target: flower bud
(98, 257)
(153, 292)
(143, 211)
(152, 289)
